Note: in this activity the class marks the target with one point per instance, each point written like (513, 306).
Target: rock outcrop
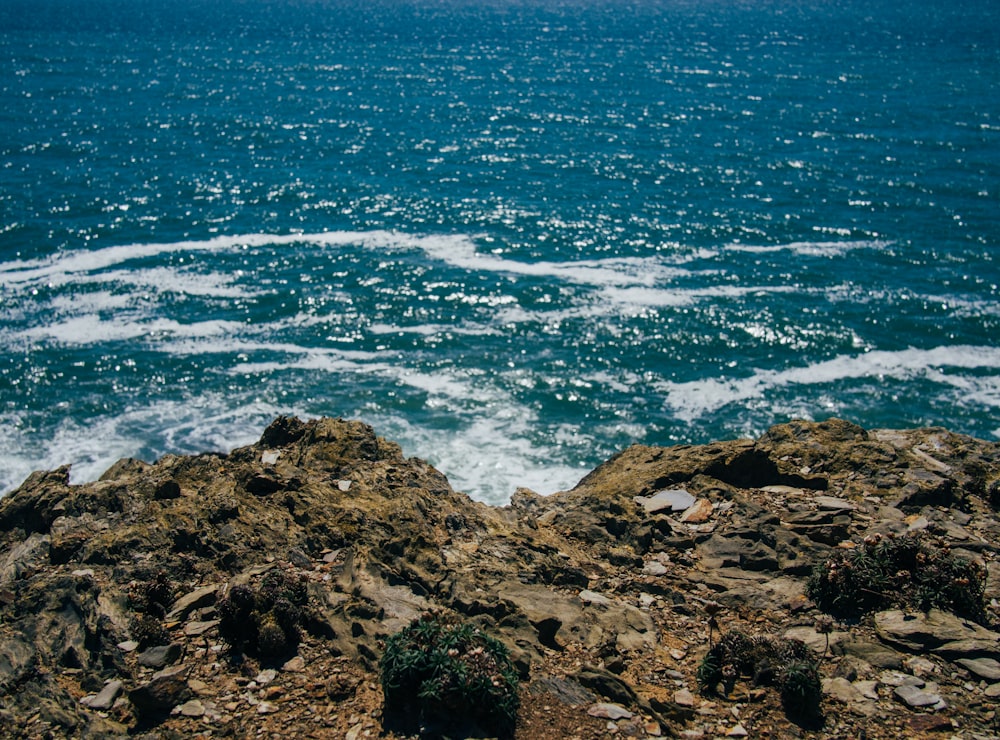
(606, 595)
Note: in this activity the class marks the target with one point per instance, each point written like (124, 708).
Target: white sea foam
(185, 427)
(454, 250)
(460, 390)
(666, 297)
(812, 249)
(174, 280)
(428, 330)
(91, 329)
(693, 399)
(488, 457)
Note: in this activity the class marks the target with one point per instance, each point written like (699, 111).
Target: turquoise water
(513, 236)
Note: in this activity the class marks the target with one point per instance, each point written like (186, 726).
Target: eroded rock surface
(603, 593)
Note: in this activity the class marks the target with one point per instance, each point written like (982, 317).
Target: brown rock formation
(603, 597)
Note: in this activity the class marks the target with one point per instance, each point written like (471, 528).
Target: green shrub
(438, 674)
(769, 661)
(898, 572)
(265, 619)
(801, 689)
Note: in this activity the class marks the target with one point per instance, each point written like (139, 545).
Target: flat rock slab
(937, 631)
(987, 668)
(204, 596)
(915, 697)
(193, 629)
(672, 499)
(566, 690)
(832, 503)
(592, 597)
(192, 708)
(816, 640)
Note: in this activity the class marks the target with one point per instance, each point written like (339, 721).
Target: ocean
(515, 236)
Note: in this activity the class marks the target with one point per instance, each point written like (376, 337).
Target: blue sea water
(513, 235)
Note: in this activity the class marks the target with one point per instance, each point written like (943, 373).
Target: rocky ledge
(608, 596)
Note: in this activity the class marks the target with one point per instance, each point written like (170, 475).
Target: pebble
(654, 568)
(738, 730)
(698, 513)
(993, 691)
(592, 597)
(609, 711)
(919, 666)
(266, 707)
(193, 708)
(128, 646)
(294, 665)
(675, 499)
(684, 698)
(266, 676)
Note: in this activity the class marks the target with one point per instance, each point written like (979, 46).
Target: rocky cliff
(608, 596)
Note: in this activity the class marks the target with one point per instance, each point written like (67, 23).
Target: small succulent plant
(442, 675)
(150, 598)
(902, 571)
(264, 619)
(801, 689)
(768, 661)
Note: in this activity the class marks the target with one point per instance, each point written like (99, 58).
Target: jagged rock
(606, 684)
(160, 656)
(105, 697)
(162, 692)
(582, 577)
(698, 512)
(25, 557)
